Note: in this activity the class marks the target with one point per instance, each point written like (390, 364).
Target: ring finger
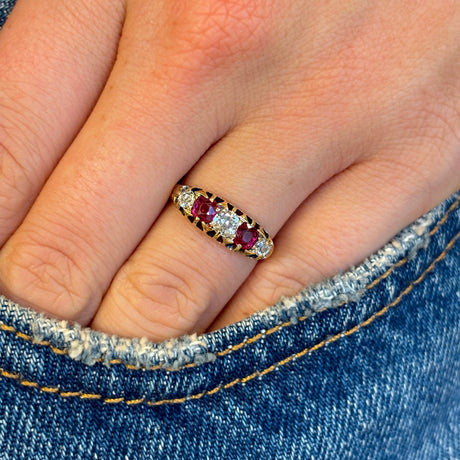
(178, 279)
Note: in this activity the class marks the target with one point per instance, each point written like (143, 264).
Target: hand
(333, 124)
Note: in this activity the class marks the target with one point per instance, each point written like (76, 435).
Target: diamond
(186, 198)
(204, 209)
(246, 236)
(226, 222)
(262, 247)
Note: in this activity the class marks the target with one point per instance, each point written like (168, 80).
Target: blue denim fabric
(364, 365)
(5, 8)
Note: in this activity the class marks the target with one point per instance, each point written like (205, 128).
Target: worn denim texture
(5, 8)
(364, 365)
(342, 370)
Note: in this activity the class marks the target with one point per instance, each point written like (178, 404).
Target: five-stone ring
(222, 221)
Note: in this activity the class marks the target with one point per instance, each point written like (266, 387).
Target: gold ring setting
(222, 221)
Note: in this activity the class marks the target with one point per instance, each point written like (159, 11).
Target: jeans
(364, 365)
(5, 8)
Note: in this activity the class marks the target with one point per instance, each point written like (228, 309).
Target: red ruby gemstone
(246, 236)
(204, 209)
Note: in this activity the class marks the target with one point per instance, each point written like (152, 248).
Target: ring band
(222, 221)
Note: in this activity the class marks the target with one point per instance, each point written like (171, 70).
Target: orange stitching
(252, 376)
(244, 343)
(29, 338)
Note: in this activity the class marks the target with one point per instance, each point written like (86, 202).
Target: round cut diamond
(262, 247)
(186, 198)
(204, 209)
(246, 236)
(226, 222)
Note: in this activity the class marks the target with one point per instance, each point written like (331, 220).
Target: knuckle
(213, 33)
(166, 299)
(269, 285)
(429, 137)
(440, 122)
(45, 277)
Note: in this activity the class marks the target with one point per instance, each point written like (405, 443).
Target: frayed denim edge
(89, 346)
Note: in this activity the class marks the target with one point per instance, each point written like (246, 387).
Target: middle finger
(115, 178)
(178, 279)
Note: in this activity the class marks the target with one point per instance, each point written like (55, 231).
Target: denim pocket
(363, 365)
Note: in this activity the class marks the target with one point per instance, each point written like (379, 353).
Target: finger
(178, 279)
(151, 124)
(344, 221)
(54, 57)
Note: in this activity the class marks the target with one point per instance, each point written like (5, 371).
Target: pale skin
(334, 124)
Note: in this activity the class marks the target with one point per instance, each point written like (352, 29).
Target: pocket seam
(240, 345)
(239, 380)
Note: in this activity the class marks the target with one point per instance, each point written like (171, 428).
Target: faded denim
(5, 8)
(364, 365)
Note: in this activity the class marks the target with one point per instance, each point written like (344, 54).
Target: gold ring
(222, 221)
